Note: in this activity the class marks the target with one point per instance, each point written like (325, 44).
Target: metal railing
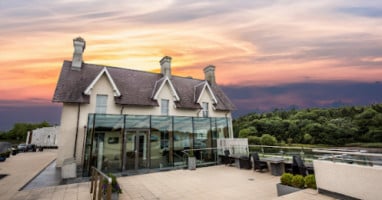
(350, 157)
(287, 152)
(100, 185)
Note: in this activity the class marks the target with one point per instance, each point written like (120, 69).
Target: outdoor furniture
(226, 159)
(276, 164)
(298, 166)
(245, 162)
(258, 164)
(288, 167)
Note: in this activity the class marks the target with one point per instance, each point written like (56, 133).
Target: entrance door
(137, 153)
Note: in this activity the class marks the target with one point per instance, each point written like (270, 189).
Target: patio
(216, 182)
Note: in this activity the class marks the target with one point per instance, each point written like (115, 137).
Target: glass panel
(161, 147)
(101, 103)
(136, 149)
(205, 109)
(130, 150)
(88, 140)
(137, 121)
(222, 127)
(164, 107)
(203, 141)
(221, 130)
(107, 142)
(141, 145)
(182, 138)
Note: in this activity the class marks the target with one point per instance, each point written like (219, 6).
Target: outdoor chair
(298, 167)
(288, 167)
(226, 159)
(258, 164)
(245, 162)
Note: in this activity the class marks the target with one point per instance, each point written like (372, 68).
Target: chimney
(165, 66)
(79, 47)
(209, 74)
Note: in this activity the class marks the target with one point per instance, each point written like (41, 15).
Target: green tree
(267, 139)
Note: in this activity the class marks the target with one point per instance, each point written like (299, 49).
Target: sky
(268, 54)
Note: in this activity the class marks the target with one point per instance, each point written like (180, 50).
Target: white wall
(363, 182)
(103, 87)
(46, 136)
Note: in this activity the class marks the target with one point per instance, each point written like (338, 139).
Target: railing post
(91, 180)
(100, 181)
(95, 185)
(108, 191)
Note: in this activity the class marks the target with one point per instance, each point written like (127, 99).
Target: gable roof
(106, 72)
(137, 88)
(200, 89)
(159, 86)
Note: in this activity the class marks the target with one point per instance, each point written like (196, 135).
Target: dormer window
(205, 109)
(101, 104)
(164, 106)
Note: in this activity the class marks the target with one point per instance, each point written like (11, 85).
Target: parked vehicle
(31, 147)
(22, 147)
(14, 150)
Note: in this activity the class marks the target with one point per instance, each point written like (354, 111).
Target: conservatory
(123, 143)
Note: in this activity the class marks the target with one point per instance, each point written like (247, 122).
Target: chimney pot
(165, 66)
(209, 74)
(79, 47)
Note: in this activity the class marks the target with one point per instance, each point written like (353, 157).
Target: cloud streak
(252, 43)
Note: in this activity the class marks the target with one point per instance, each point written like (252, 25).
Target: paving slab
(216, 182)
(21, 168)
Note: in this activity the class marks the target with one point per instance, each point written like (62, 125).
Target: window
(164, 106)
(101, 103)
(205, 109)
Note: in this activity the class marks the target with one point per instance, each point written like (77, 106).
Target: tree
(267, 139)
(244, 133)
(307, 138)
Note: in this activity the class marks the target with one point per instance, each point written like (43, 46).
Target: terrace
(213, 182)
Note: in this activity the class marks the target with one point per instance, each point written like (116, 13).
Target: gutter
(77, 127)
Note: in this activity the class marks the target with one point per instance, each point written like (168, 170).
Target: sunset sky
(268, 54)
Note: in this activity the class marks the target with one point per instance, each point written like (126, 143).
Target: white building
(46, 137)
(120, 119)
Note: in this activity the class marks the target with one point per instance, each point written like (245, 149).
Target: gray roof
(136, 87)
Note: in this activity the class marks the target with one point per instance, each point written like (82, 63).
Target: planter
(285, 189)
(191, 163)
(114, 196)
(2, 158)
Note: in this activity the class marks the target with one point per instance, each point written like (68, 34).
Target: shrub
(298, 181)
(267, 139)
(115, 188)
(310, 181)
(254, 140)
(286, 179)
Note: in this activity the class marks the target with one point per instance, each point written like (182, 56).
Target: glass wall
(105, 142)
(183, 138)
(116, 143)
(203, 141)
(162, 144)
(136, 142)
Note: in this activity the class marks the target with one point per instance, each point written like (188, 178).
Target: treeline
(19, 131)
(333, 126)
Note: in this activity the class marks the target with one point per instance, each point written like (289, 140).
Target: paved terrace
(217, 182)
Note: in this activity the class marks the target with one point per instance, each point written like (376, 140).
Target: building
(44, 137)
(120, 119)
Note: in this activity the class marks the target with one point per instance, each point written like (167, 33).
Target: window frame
(205, 109)
(101, 105)
(165, 107)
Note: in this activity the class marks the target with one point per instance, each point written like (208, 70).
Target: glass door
(136, 149)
